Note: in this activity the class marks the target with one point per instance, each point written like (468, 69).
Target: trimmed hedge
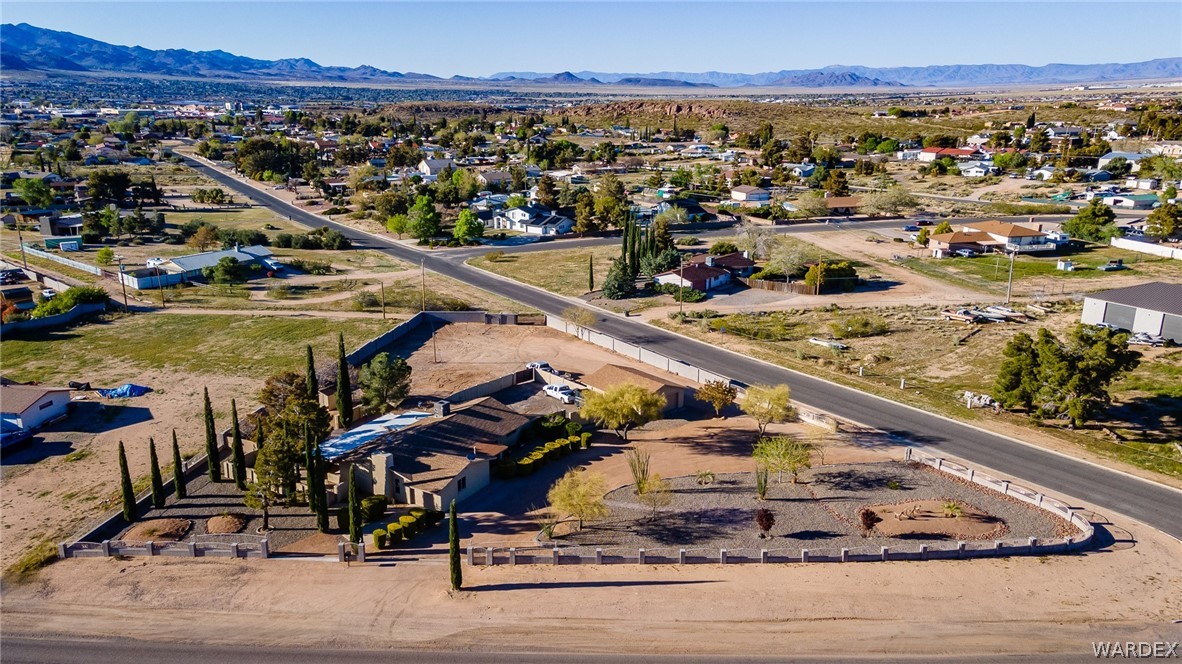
(373, 508)
(393, 533)
(379, 539)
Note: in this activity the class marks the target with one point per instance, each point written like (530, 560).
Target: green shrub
(416, 512)
(586, 439)
(379, 539)
(373, 507)
(393, 533)
(410, 526)
(573, 428)
(525, 467)
(69, 299)
(854, 327)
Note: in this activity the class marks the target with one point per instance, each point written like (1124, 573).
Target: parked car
(540, 366)
(965, 253)
(561, 392)
(910, 228)
(1146, 339)
(48, 293)
(925, 222)
(272, 264)
(154, 262)
(1107, 326)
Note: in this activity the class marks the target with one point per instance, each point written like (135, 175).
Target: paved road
(1152, 503)
(20, 650)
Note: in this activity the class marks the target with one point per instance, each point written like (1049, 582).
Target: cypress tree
(344, 387)
(178, 468)
(157, 480)
(211, 442)
(321, 499)
(354, 507)
(453, 548)
(239, 456)
(590, 273)
(125, 486)
(310, 376)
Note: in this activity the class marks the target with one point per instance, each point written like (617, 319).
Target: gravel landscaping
(821, 512)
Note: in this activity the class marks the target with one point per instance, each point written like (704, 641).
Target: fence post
(886, 552)
(340, 552)
(1039, 503)
(907, 454)
(960, 549)
(971, 474)
(722, 556)
(555, 552)
(106, 547)
(681, 556)
(361, 551)
(512, 555)
(641, 556)
(923, 551)
(598, 556)
(845, 555)
(192, 549)
(763, 556)
(804, 555)
(488, 556)
(1005, 487)
(151, 547)
(264, 549)
(940, 463)
(62, 551)
(997, 547)
(471, 556)
(234, 549)
(1033, 544)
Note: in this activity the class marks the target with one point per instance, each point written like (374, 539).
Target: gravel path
(818, 513)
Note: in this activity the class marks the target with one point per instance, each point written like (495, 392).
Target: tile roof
(1002, 228)
(734, 261)
(956, 237)
(747, 189)
(695, 272)
(1154, 295)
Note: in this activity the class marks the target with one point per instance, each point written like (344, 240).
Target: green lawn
(233, 345)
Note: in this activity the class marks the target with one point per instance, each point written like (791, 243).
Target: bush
(373, 507)
(688, 294)
(573, 428)
(283, 241)
(687, 241)
(393, 533)
(723, 248)
(71, 298)
(410, 526)
(494, 256)
(585, 439)
(365, 300)
(854, 327)
(317, 268)
(379, 539)
(105, 256)
(525, 467)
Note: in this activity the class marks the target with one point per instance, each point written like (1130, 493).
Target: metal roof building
(1154, 308)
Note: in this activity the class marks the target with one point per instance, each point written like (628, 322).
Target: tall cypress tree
(354, 507)
(239, 456)
(453, 548)
(178, 469)
(344, 387)
(211, 442)
(310, 376)
(591, 273)
(157, 480)
(125, 487)
(321, 497)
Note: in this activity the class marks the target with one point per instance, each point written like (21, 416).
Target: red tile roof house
(703, 277)
(992, 234)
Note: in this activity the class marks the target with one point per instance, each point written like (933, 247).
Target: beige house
(612, 375)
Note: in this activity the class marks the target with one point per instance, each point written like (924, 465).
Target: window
(463, 483)
(47, 404)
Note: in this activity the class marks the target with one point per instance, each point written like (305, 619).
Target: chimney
(709, 261)
(442, 408)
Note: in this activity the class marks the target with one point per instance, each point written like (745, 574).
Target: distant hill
(24, 47)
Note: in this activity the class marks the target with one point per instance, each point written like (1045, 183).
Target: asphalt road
(20, 650)
(1154, 504)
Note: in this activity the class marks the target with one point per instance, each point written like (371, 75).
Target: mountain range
(24, 47)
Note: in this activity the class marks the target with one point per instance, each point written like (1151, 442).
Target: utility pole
(1010, 283)
(21, 241)
(423, 296)
(159, 285)
(123, 284)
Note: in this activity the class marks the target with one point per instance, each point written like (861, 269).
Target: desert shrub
(279, 292)
(895, 485)
(311, 267)
(494, 256)
(373, 507)
(687, 241)
(379, 538)
(282, 241)
(867, 518)
(854, 327)
(687, 294)
(365, 300)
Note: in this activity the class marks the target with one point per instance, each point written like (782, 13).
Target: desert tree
(579, 493)
(718, 393)
(657, 493)
(782, 453)
(768, 404)
(267, 488)
(623, 407)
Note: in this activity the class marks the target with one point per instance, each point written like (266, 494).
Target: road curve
(1154, 504)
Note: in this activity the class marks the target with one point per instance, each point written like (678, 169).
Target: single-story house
(494, 179)
(739, 263)
(435, 459)
(1010, 237)
(960, 154)
(1133, 201)
(1166, 148)
(434, 167)
(57, 225)
(191, 266)
(944, 244)
(1154, 308)
(27, 407)
(843, 205)
(698, 277)
(1144, 184)
(748, 193)
(801, 170)
(612, 375)
(978, 169)
(1133, 158)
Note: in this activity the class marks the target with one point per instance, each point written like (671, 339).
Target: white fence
(89, 269)
(557, 555)
(194, 549)
(1165, 251)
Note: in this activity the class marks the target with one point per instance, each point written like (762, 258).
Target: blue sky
(480, 38)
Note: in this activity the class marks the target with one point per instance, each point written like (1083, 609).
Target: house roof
(611, 375)
(956, 237)
(695, 272)
(734, 261)
(1002, 228)
(748, 189)
(1155, 296)
(17, 399)
(843, 202)
(211, 258)
(1129, 156)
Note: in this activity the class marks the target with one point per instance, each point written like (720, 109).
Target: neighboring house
(1009, 237)
(747, 193)
(843, 205)
(433, 167)
(801, 170)
(1144, 184)
(739, 263)
(1044, 173)
(56, 225)
(698, 277)
(1133, 201)
(192, 265)
(27, 407)
(960, 154)
(1167, 148)
(978, 169)
(1154, 308)
(494, 179)
(613, 375)
(436, 459)
(1133, 158)
(1094, 175)
(533, 219)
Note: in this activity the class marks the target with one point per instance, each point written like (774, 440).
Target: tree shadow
(558, 585)
(809, 535)
(855, 480)
(34, 449)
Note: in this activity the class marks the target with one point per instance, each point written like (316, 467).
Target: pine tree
(453, 548)
(590, 273)
(344, 387)
(125, 486)
(310, 377)
(157, 480)
(211, 442)
(239, 456)
(178, 469)
(354, 507)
